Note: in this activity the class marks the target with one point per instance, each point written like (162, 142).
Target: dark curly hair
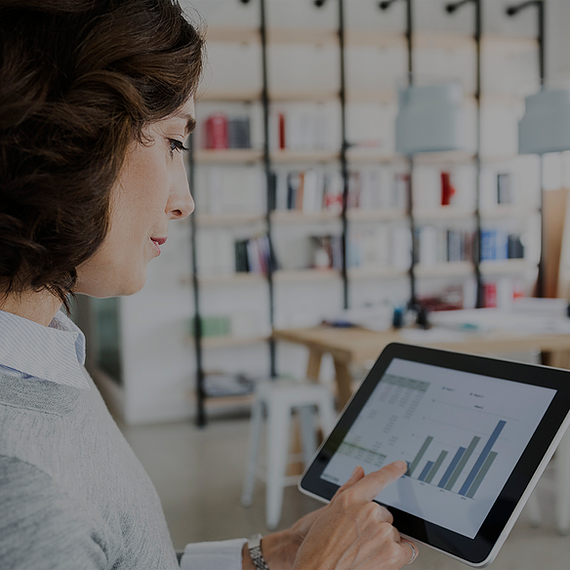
(79, 80)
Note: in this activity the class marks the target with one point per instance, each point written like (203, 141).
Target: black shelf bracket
(478, 25)
(343, 148)
(540, 37)
(409, 33)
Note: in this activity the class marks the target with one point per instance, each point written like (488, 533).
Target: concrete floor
(199, 473)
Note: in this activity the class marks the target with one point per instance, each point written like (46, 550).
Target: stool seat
(279, 399)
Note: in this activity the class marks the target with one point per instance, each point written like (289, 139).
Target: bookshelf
(296, 225)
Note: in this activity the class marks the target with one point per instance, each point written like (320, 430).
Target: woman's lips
(157, 243)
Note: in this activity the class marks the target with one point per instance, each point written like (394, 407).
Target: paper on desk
(420, 336)
(519, 321)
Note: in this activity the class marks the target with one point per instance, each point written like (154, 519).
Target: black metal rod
(450, 8)
(343, 153)
(200, 393)
(409, 33)
(269, 183)
(540, 37)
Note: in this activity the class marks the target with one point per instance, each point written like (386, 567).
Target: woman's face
(151, 190)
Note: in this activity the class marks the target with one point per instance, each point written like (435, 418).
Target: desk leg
(314, 365)
(343, 383)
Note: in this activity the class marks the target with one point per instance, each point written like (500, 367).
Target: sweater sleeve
(41, 526)
(224, 555)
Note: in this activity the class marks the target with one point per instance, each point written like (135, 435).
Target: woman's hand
(353, 532)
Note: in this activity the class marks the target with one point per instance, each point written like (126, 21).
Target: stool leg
(278, 426)
(252, 452)
(533, 510)
(562, 472)
(308, 432)
(327, 414)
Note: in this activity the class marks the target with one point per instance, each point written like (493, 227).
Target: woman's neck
(40, 307)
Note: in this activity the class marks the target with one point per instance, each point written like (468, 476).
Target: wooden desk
(357, 346)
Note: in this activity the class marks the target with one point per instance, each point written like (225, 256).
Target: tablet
(476, 433)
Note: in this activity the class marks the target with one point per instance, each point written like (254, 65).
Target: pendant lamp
(430, 118)
(545, 126)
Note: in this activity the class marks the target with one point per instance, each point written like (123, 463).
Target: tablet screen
(460, 433)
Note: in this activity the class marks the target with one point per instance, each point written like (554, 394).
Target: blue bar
(482, 457)
(426, 470)
(451, 467)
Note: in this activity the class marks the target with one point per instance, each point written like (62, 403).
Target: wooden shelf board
(300, 217)
(234, 156)
(228, 96)
(288, 275)
(383, 39)
(455, 156)
(232, 35)
(502, 211)
(443, 213)
(450, 269)
(232, 279)
(492, 267)
(228, 219)
(286, 156)
(362, 273)
(388, 215)
(371, 155)
(218, 342)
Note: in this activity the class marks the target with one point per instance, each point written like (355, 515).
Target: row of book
(305, 127)
(255, 255)
(437, 245)
(317, 190)
(498, 244)
(222, 132)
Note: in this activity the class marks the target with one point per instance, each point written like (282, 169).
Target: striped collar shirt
(55, 353)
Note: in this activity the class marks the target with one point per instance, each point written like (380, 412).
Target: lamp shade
(545, 126)
(430, 118)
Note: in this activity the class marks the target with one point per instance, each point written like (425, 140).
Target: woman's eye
(176, 145)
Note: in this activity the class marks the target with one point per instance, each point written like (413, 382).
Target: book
(216, 132)
(238, 132)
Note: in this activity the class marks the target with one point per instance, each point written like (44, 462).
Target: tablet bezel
(481, 550)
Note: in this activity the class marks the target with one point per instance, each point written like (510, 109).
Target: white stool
(280, 398)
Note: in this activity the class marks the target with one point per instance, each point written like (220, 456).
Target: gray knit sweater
(73, 496)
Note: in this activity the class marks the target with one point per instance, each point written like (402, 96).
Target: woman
(96, 100)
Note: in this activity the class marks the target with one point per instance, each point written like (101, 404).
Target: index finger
(370, 485)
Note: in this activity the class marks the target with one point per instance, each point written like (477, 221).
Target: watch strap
(254, 547)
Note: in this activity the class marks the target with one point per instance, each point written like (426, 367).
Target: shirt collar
(55, 353)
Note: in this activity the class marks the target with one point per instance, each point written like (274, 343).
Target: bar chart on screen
(461, 434)
(457, 466)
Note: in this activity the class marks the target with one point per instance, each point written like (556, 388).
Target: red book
(447, 190)
(490, 294)
(216, 132)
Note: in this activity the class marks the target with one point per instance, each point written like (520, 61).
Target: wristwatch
(254, 547)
